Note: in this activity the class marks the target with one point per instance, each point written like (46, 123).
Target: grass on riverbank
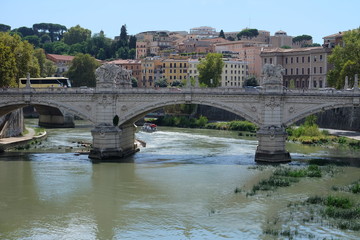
(283, 177)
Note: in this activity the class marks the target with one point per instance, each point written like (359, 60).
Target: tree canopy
(248, 33)
(17, 59)
(345, 59)
(301, 38)
(210, 69)
(4, 28)
(76, 34)
(82, 70)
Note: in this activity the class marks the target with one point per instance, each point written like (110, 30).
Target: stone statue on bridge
(111, 75)
(273, 77)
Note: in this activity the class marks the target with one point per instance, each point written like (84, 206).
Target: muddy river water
(180, 186)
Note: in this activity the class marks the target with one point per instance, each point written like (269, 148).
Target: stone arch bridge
(271, 108)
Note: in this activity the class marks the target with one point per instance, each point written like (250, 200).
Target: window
(302, 71)
(320, 70)
(270, 60)
(171, 65)
(297, 59)
(286, 60)
(308, 71)
(321, 58)
(314, 70)
(303, 59)
(181, 65)
(292, 60)
(297, 71)
(265, 60)
(291, 71)
(314, 58)
(308, 58)
(174, 65)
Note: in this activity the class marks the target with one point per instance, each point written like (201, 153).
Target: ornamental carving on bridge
(273, 72)
(111, 75)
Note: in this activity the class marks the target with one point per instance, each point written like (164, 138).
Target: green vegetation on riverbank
(202, 122)
(309, 133)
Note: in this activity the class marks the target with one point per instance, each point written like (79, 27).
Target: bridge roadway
(272, 111)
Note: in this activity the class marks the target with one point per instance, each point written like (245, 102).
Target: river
(180, 186)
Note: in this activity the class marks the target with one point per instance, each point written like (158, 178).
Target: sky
(318, 18)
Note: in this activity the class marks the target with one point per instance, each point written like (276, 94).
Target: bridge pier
(110, 143)
(56, 121)
(271, 146)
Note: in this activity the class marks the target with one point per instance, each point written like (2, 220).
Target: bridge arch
(142, 110)
(313, 110)
(7, 107)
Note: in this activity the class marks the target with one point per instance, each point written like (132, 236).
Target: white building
(234, 73)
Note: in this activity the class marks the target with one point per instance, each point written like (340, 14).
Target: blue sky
(317, 18)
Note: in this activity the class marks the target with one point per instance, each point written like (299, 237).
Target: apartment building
(193, 71)
(151, 70)
(234, 73)
(305, 68)
(175, 68)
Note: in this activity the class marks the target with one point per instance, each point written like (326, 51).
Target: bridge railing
(220, 91)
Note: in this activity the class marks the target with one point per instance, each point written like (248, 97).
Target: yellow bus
(55, 82)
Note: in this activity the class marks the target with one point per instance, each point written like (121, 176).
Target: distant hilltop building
(203, 32)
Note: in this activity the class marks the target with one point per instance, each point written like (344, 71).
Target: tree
(82, 70)
(162, 82)
(25, 31)
(230, 38)
(47, 67)
(55, 31)
(134, 82)
(248, 33)
(301, 38)
(222, 34)
(33, 39)
(76, 34)
(4, 28)
(132, 42)
(251, 81)
(57, 47)
(345, 59)
(16, 59)
(210, 69)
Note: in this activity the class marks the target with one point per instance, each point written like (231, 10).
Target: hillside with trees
(58, 39)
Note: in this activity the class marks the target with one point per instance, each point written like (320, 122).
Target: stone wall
(12, 124)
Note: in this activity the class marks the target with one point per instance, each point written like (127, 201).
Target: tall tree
(345, 59)
(82, 70)
(210, 69)
(55, 31)
(4, 28)
(14, 49)
(222, 34)
(76, 34)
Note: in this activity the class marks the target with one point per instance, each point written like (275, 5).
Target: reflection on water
(181, 186)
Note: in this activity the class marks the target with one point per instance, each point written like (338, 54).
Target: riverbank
(12, 142)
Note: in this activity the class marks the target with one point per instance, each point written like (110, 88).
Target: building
(175, 68)
(281, 39)
(62, 63)
(203, 32)
(234, 73)
(247, 51)
(151, 70)
(333, 40)
(193, 72)
(305, 68)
